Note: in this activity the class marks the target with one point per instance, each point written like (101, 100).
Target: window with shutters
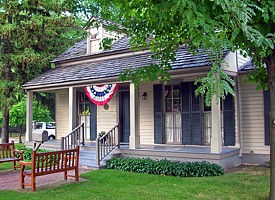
(173, 131)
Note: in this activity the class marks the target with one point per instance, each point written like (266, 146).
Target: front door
(125, 116)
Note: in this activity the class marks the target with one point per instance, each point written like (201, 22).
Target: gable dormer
(96, 34)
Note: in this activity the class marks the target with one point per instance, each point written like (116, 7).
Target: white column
(29, 111)
(134, 121)
(216, 140)
(72, 108)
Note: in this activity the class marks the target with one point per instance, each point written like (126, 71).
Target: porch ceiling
(111, 68)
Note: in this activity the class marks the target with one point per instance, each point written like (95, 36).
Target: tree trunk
(5, 125)
(271, 84)
(20, 134)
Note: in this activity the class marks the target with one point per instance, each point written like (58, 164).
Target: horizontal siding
(146, 117)
(62, 112)
(106, 119)
(252, 118)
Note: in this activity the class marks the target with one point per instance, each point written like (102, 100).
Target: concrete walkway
(10, 180)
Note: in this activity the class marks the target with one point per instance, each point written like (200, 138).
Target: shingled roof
(79, 49)
(113, 67)
(247, 66)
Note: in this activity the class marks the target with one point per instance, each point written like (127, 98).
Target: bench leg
(33, 183)
(65, 175)
(76, 174)
(14, 165)
(22, 177)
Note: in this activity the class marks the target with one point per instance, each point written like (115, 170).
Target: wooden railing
(106, 143)
(74, 138)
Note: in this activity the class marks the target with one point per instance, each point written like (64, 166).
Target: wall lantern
(144, 95)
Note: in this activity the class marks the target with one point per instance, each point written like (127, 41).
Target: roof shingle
(113, 67)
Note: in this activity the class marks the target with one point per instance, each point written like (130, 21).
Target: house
(155, 119)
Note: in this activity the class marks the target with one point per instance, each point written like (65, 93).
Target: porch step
(87, 156)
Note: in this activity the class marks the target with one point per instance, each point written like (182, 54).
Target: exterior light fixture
(144, 95)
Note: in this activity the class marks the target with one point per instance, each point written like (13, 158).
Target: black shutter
(158, 119)
(185, 114)
(229, 121)
(196, 116)
(267, 117)
(93, 120)
(191, 115)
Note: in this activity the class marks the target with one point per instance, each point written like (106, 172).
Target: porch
(229, 157)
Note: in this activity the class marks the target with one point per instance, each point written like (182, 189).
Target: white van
(47, 126)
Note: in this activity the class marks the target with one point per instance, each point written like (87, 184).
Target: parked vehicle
(47, 126)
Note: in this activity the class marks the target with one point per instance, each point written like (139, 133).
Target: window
(173, 129)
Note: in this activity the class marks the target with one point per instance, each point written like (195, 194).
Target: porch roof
(111, 68)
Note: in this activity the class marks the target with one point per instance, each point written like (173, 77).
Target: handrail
(74, 138)
(106, 143)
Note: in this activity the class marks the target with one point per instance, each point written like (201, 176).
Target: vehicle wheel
(51, 137)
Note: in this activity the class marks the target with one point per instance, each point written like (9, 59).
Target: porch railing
(106, 143)
(74, 138)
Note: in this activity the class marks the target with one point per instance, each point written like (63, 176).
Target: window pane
(168, 105)
(167, 93)
(177, 105)
(176, 91)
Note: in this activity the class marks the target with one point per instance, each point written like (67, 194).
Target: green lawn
(249, 183)
(9, 165)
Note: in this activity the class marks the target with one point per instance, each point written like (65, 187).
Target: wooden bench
(8, 154)
(49, 163)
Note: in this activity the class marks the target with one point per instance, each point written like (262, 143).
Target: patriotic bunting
(101, 94)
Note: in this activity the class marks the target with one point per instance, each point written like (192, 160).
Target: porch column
(72, 108)
(216, 140)
(29, 112)
(134, 122)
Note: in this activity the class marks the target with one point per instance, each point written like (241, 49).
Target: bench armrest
(24, 163)
(20, 152)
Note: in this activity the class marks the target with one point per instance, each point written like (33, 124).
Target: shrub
(166, 167)
(27, 152)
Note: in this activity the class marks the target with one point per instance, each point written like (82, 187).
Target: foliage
(32, 34)
(100, 134)
(18, 113)
(165, 167)
(215, 83)
(27, 152)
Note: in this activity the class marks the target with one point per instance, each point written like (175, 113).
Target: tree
(18, 114)
(32, 33)
(217, 25)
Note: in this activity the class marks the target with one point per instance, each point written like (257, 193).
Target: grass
(248, 183)
(9, 165)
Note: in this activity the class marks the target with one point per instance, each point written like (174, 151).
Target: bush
(27, 154)
(165, 167)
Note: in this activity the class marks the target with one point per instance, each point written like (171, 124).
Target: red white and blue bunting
(101, 94)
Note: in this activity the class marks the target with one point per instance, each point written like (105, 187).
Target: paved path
(10, 180)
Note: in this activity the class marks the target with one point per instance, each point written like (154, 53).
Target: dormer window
(96, 36)
(94, 39)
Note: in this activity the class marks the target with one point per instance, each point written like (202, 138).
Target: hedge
(165, 167)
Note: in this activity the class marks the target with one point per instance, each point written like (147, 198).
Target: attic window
(93, 40)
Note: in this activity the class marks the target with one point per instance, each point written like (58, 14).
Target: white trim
(134, 118)
(29, 117)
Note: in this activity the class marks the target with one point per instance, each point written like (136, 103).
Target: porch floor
(200, 149)
(227, 158)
